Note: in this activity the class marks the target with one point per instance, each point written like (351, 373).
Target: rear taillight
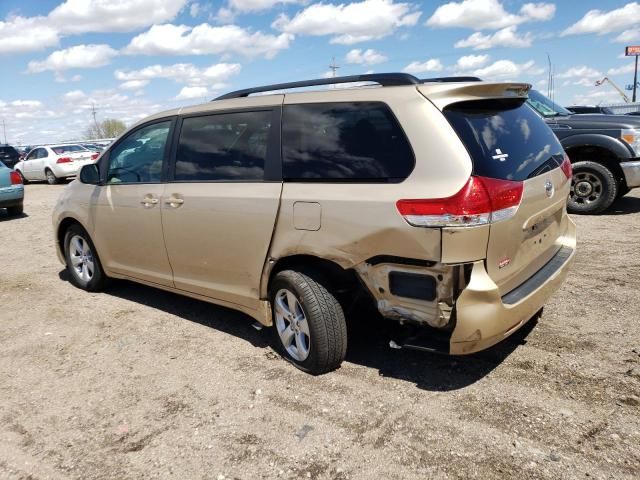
(64, 160)
(566, 166)
(15, 178)
(94, 156)
(481, 201)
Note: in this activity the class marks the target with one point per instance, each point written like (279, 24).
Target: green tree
(108, 128)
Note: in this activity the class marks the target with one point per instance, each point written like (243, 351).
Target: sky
(132, 58)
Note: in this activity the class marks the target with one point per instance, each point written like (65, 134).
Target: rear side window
(506, 139)
(350, 142)
(223, 147)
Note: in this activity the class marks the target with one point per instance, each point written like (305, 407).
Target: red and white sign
(633, 51)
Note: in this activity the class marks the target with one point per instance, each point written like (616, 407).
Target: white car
(54, 162)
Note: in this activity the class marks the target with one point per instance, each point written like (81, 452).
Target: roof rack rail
(451, 79)
(382, 79)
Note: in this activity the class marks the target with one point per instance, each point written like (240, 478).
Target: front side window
(352, 142)
(138, 157)
(223, 147)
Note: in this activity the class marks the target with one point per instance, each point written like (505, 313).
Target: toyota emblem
(548, 188)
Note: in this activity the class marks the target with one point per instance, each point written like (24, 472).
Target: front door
(128, 225)
(220, 204)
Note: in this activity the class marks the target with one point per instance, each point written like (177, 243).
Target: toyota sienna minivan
(441, 202)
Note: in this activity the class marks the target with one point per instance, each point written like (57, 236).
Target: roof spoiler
(444, 94)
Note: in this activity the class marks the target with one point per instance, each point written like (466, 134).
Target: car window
(223, 147)
(505, 138)
(60, 149)
(360, 141)
(138, 157)
(42, 153)
(32, 154)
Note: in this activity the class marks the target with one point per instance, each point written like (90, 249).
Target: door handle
(149, 201)
(174, 202)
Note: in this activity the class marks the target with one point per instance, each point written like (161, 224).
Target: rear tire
(16, 210)
(308, 322)
(51, 177)
(593, 188)
(83, 263)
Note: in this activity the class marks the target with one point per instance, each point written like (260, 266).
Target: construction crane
(618, 89)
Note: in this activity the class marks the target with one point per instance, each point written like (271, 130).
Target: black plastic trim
(415, 262)
(537, 279)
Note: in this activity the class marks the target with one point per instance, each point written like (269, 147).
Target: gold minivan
(441, 202)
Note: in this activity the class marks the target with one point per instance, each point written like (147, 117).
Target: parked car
(11, 190)
(442, 204)
(93, 147)
(9, 155)
(604, 152)
(590, 109)
(54, 162)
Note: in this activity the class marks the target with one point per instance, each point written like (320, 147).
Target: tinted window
(228, 146)
(138, 157)
(506, 139)
(344, 142)
(42, 153)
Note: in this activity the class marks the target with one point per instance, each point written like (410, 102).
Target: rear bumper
(62, 170)
(11, 196)
(631, 172)
(485, 316)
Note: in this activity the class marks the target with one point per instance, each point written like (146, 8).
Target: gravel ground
(138, 383)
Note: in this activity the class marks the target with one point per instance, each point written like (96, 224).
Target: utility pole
(4, 127)
(333, 67)
(635, 82)
(93, 112)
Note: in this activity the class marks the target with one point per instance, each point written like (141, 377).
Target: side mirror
(90, 174)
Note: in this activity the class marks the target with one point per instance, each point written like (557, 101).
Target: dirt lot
(137, 383)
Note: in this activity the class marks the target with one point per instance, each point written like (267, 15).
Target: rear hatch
(508, 141)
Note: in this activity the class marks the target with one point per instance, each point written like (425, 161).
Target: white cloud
(503, 69)
(81, 16)
(597, 97)
(257, 5)
(134, 84)
(79, 56)
(506, 37)
(207, 40)
(487, 14)
(629, 36)
(194, 9)
(213, 76)
(188, 93)
(366, 57)
(74, 96)
(25, 34)
(469, 62)
(621, 70)
(20, 34)
(580, 71)
(625, 18)
(431, 65)
(350, 23)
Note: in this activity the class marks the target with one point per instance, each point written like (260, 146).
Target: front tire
(593, 188)
(308, 322)
(83, 264)
(51, 177)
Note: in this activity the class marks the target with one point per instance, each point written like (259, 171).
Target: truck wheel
(593, 188)
(308, 322)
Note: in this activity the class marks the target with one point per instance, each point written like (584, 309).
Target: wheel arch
(599, 154)
(63, 226)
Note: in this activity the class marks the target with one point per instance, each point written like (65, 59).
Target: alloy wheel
(292, 325)
(81, 257)
(586, 188)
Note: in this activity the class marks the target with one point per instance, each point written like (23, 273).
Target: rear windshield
(505, 138)
(68, 148)
(8, 150)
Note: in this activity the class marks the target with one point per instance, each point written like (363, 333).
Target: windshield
(544, 106)
(68, 148)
